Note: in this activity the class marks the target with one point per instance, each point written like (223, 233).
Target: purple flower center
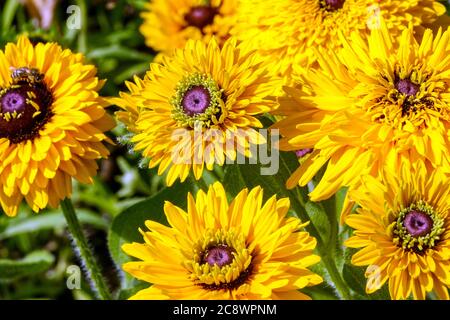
(13, 101)
(24, 109)
(418, 223)
(196, 100)
(405, 86)
(303, 152)
(335, 4)
(220, 255)
(200, 16)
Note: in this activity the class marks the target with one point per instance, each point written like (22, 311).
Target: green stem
(335, 275)
(82, 39)
(92, 270)
(326, 254)
(340, 285)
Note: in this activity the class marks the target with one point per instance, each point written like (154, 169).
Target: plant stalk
(81, 245)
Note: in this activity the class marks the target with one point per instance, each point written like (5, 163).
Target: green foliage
(125, 226)
(48, 221)
(34, 263)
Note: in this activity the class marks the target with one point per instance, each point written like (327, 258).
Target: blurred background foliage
(36, 250)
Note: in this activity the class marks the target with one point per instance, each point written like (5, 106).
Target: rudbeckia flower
(169, 24)
(198, 108)
(402, 231)
(52, 124)
(289, 31)
(215, 250)
(368, 105)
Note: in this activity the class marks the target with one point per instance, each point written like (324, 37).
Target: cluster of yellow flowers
(359, 88)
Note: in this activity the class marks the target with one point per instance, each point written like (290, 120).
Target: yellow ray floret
(169, 24)
(198, 107)
(369, 105)
(215, 250)
(402, 231)
(52, 124)
(289, 31)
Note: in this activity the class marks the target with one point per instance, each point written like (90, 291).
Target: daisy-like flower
(198, 107)
(290, 30)
(169, 24)
(215, 250)
(403, 230)
(52, 124)
(369, 105)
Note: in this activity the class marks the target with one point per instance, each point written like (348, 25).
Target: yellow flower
(403, 230)
(52, 124)
(198, 107)
(367, 106)
(215, 250)
(129, 102)
(168, 24)
(290, 31)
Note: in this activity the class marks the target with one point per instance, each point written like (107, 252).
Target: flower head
(368, 106)
(169, 24)
(294, 29)
(52, 124)
(198, 107)
(215, 250)
(403, 230)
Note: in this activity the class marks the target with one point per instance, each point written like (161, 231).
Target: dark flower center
(24, 109)
(418, 227)
(406, 87)
(303, 152)
(196, 100)
(333, 5)
(220, 255)
(200, 16)
(418, 223)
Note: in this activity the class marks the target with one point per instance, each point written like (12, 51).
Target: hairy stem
(92, 270)
(335, 276)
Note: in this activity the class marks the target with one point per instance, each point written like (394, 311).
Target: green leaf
(239, 176)
(124, 294)
(35, 262)
(124, 228)
(49, 221)
(354, 277)
(319, 218)
(320, 292)
(233, 180)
